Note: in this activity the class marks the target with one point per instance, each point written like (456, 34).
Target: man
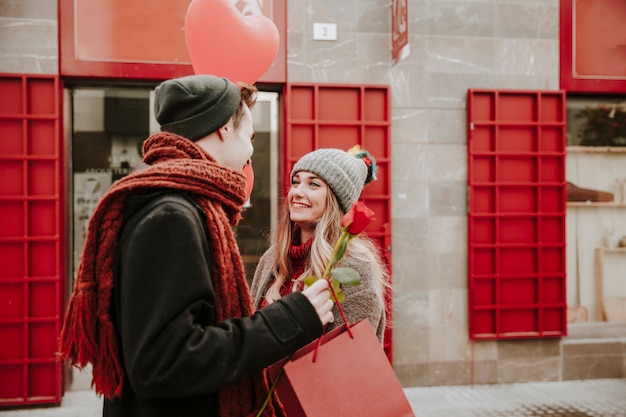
(161, 307)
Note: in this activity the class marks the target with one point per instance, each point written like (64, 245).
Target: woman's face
(306, 199)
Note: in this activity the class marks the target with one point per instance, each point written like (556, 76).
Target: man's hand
(319, 296)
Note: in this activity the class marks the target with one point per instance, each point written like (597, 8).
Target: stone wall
(29, 37)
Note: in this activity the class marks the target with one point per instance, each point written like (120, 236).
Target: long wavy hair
(327, 231)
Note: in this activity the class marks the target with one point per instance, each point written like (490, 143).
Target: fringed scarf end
(108, 375)
(78, 341)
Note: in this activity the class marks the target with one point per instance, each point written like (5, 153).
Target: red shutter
(337, 116)
(32, 250)
(516, 220)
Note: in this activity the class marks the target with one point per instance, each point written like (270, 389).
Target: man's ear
(223, 132)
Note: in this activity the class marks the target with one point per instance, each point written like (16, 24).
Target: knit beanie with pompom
(346, 173)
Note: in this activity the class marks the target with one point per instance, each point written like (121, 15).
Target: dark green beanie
(196, 105)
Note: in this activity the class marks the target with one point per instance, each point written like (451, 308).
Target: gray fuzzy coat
(362, 301)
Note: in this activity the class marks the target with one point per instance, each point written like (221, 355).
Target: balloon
(221, 41)
(249, 173)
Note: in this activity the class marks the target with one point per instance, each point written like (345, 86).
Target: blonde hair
(327, 232)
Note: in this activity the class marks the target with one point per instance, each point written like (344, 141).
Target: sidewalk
(581, 398)
(586, 398)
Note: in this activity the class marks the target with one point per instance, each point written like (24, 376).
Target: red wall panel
(323, 116)
(32, 249)
(516, 219)
(593, 54)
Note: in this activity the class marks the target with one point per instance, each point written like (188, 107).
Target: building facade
(455, 46)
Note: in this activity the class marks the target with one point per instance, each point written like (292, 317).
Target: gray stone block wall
(29, 37)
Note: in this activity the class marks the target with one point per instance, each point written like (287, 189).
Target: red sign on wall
(399, 30)
(144, 38)
(600, 53)
(593, 53)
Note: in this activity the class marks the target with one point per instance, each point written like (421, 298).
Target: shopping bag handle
(340, 308)
(345, 320)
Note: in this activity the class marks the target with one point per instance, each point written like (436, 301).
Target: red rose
(357, 218)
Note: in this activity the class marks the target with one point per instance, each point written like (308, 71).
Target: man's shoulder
(169, 206)
(162, 200)
(174, 199)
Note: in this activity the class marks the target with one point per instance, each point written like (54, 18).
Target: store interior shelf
(613, 250)
(596, 149)
(594, 204)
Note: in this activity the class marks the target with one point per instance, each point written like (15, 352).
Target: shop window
(108, 129)
(596, 200)
(596, 121)
(109, 126)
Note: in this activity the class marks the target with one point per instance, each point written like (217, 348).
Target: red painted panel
(592, 60)
(341, 116)
(600, 52)
(516, 220)
(32, 250)
(143, 39)
(11, 87)
(112, 31)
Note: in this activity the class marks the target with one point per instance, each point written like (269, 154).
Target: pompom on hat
(196, 105)
(346, 173)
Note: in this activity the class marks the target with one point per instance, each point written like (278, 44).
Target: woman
(324, 185)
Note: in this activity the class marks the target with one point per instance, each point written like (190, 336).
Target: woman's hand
(319, 296)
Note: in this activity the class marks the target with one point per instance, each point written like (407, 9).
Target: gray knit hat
(196, 105)
(345, 174)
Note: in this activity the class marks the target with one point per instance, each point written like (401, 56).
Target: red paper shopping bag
(350, 377)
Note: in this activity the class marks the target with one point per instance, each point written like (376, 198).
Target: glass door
(256, 229)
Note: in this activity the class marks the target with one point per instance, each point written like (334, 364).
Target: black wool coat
(175, 354)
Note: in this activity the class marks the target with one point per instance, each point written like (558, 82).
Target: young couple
(161, 307)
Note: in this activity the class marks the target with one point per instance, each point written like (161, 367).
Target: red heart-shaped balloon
(222, 41)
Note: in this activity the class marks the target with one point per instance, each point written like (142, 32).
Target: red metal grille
(516, 220)
(336, 116)
(31, 247)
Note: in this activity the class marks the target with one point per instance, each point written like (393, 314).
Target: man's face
(238, 147)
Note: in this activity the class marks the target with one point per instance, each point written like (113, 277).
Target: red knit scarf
(298, 258)
(88, 335)
(298, 261)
